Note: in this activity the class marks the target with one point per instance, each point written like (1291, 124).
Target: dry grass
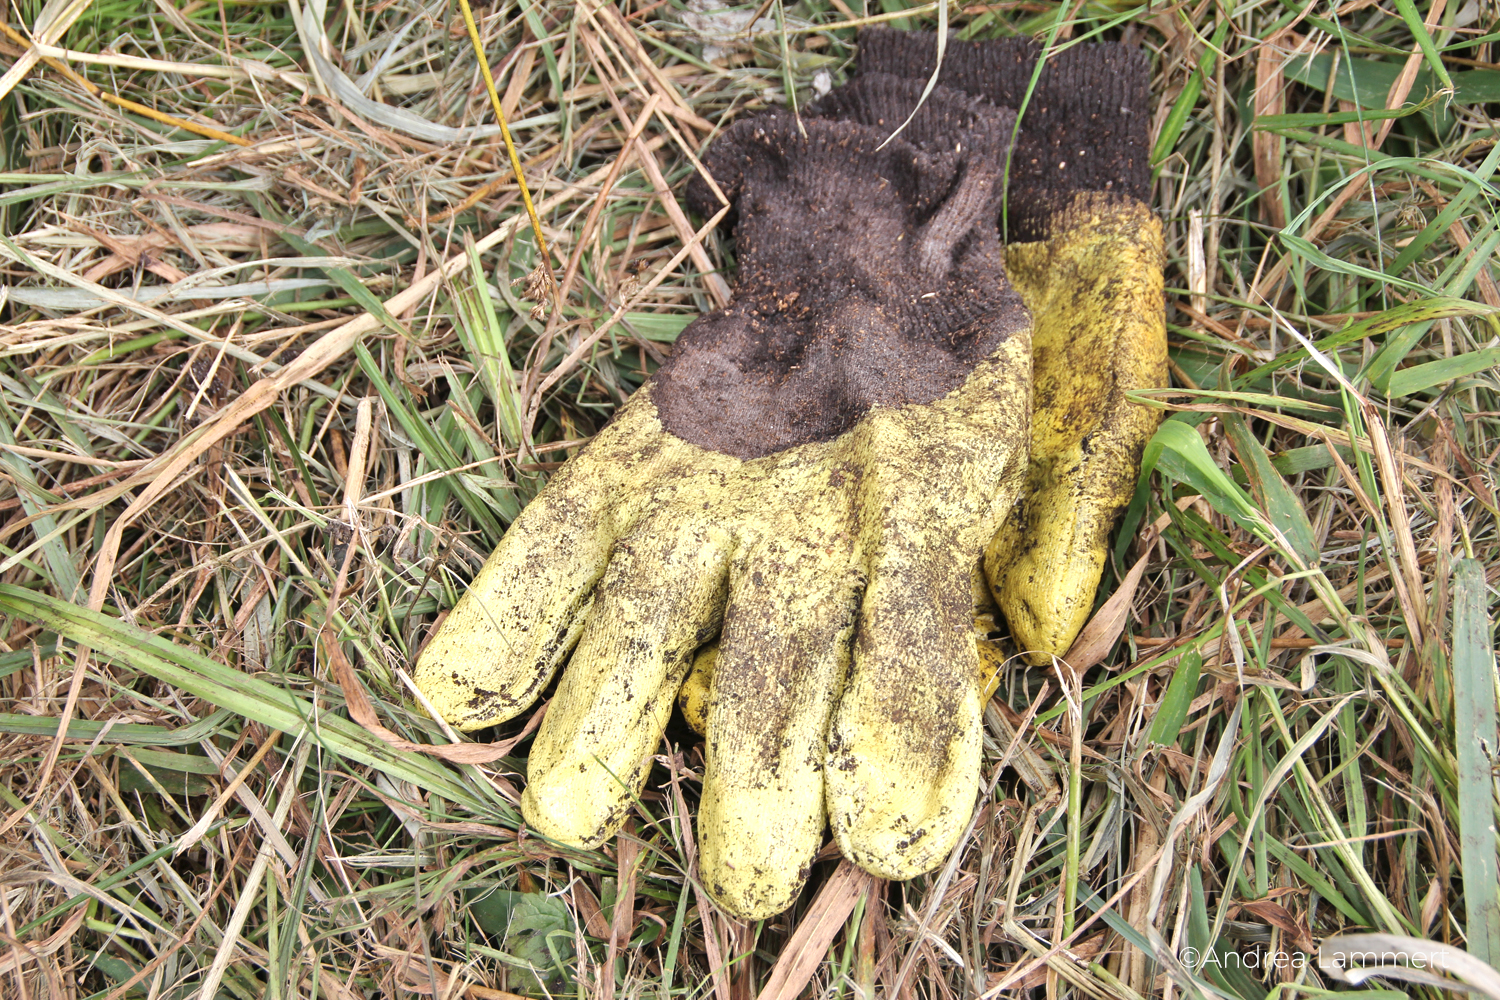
(267, 375)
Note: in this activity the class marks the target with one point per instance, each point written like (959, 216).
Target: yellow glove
(810, 481)
(1086, 255)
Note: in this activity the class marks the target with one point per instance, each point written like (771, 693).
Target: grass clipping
(279, 362)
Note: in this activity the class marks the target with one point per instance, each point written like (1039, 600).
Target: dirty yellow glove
(806, 487)
(1086, 255)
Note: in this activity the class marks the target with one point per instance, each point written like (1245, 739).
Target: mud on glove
(1086, 254)
(808, 482)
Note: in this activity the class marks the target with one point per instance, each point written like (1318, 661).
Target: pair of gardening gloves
(793, 522)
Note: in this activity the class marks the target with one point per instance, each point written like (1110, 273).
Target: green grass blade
(1409, 381)
(1276, 499)
(230, 689)
(1317, 119)
(1476, 740)
(1422, 311)
(1320, 259)
(1173, 710)
(1413, 18)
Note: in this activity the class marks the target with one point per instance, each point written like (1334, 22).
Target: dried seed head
(538, 289)
(538, 284)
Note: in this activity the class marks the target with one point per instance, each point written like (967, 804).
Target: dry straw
(271, 387)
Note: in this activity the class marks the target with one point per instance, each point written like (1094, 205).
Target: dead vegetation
(276, 371)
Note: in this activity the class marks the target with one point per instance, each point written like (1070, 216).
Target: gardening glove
(810, 480)
(1086, 255)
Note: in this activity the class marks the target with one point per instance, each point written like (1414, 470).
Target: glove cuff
(870, 272)
(812, 199)
(844, 134)
(1085, 128)
(948, 122)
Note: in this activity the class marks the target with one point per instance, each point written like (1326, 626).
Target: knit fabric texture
(868, 275)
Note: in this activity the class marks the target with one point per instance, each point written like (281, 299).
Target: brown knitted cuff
(1085, 128)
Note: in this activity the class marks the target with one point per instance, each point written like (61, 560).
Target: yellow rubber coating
(823, 595)
(837, 578)
(1095, 294)
(693, 698)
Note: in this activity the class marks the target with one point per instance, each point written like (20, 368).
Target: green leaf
(1367, 82)
(179, 774)
(1320, 259)
(1395, 349)
(537, 934)
(1433, 170)
(1173, 710)
(1220, 966)
(169, 760)
(1178, 452)
(1276, 499)
(120, 971)
(1461, 271)
(434, 448)
(22, 659)
(1149, 397)
(1419, 377)
(1321, 883)
(1315, 119)
(61, 570)
(1171, 129)
(1309, 458)
(129, 732)
(1477, 86)
(660, 327)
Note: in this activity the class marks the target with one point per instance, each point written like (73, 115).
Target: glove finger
(661, 598)
(692, 699)
(903, 750)
(502, 643)
(1047, 562)
(781, 660)
(1095, 290)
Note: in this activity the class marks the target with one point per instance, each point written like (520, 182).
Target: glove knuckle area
(502, 643)
(942, 475)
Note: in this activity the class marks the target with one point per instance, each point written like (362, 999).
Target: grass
(327, 423)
